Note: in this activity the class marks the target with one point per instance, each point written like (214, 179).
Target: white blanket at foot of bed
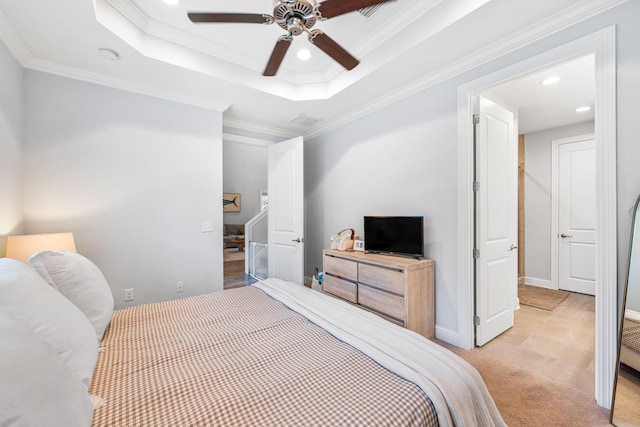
(456, 389)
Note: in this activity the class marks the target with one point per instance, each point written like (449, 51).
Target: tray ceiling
(404, 47)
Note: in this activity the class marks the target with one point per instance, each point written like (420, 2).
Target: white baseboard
(542, 283)
(447, 335)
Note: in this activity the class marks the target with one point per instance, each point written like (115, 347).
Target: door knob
(298, 240)
(565, 236)
(513, 247)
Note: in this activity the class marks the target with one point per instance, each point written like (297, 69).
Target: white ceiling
(548, 106)
(405, 47)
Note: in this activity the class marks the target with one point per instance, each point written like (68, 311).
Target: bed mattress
(240, 357)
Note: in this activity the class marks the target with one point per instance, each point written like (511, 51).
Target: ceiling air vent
(368, 12)
(305, 120)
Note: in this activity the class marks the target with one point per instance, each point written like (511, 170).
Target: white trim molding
(603, 45)
(534, 281)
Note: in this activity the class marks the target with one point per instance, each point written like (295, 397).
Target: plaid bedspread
(241, 358)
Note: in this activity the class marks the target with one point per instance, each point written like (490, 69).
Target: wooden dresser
(399, 289)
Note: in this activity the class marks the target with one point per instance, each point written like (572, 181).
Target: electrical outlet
(207, 226)
(179, 286)
(128, 294)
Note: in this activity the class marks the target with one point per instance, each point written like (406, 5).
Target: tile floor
(558, 344)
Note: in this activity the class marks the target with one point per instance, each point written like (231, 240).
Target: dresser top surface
(391, 261)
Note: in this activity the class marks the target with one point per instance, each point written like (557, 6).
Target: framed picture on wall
(231, 202)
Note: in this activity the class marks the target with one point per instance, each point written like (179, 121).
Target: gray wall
(132, 177)
(537, 197)
(245, 172)
(402, 160)
(398, 161)
(628, 70)
(11, 137)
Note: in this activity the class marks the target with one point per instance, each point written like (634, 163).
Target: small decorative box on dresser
(396, 288)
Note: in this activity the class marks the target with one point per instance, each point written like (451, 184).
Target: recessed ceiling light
(304, 54)
(109, 54)
(583, 109)
(550, 80)
(172, 2)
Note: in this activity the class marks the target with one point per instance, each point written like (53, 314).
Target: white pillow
(81, 281)
(37, 388)
(25, 296)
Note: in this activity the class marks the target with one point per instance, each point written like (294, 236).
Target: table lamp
(22, 247)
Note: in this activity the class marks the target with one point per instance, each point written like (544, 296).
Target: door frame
(602, 45)
(555, 171)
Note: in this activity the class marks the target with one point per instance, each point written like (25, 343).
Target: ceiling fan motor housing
(295, 16)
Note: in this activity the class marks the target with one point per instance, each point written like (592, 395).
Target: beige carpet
(545, 299)
(527, 399)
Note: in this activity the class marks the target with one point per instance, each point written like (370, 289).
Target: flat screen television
(394, 235)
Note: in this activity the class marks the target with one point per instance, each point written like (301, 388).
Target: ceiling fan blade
(333, 49)
(248, 18)
(331, 8)
(282, 45)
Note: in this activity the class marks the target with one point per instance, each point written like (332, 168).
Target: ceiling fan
(296, 17)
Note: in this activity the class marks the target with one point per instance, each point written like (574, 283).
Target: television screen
(397, 235)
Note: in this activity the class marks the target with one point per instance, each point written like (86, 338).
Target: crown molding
(246, 140)
(49, 67)
(166, 33)
(156, 39)
(21, 52)
(13, 41)
(258, 128)
(132, 13)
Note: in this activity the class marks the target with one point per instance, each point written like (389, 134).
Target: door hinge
(476, 253)
(476, 320)
(476, 119)
(476, 185)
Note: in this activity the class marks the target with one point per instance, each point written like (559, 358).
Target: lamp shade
(22, 247)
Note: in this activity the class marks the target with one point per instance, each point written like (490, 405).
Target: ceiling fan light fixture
(172, 2)
(583, 109)
(303, 54)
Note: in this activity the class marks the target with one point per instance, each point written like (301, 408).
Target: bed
(275, 353)
(630, 348)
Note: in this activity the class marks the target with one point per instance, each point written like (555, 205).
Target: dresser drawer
(340, 288)
(341, 267)
(383, 278)
(384, 302)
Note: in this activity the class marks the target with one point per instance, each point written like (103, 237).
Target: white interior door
(286, 210)
(575, 235)
(496, 220)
